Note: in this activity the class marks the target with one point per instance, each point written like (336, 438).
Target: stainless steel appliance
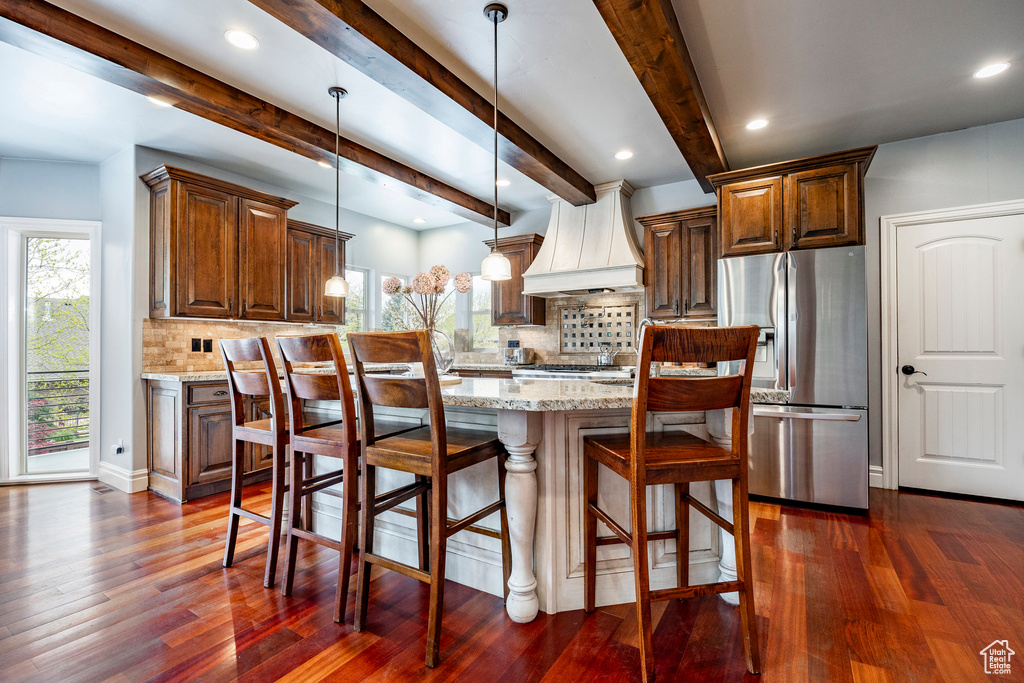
(810, 306)
(518, 356)
(606, 356)
(574, 372)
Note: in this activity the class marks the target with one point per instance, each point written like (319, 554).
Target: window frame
(364, 319)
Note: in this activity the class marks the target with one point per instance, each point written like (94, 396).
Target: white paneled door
(960, 345)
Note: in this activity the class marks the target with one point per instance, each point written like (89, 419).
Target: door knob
(909, 370)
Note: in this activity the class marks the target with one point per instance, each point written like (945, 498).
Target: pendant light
(337, 286)
(496, 267)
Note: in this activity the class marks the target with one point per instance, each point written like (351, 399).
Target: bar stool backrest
(250, 382)
(678, 344)
(397, 391)
(325, 351)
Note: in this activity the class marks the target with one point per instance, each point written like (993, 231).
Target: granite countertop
(222, 376)
(688, 372)
(556, 394)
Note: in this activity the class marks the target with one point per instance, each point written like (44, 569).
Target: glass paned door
(56, 348)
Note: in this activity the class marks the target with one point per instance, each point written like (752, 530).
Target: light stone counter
(222, 376)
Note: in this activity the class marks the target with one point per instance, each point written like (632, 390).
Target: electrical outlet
(207, 346)
(117, 448)
(197, 345)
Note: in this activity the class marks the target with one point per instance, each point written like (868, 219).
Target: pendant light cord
(494, 18)
(337, 176)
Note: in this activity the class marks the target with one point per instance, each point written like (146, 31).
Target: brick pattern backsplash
(167, 344)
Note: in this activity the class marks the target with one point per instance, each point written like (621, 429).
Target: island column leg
(519, 431)
(719, 423)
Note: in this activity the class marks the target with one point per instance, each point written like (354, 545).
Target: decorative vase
(444, 351)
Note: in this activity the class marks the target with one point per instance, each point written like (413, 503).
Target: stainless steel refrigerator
(810, 306)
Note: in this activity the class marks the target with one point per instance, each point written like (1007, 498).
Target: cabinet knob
(245, 307)
(231, 305)
(675, 309)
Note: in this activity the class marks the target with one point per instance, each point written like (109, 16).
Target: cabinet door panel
(750, 213)
(330, 309)
(701, 289)
(664, 265)
(823, 207)
(209, 443)
(301, 276)
(508, 304)
(262, 231)
(207, 259)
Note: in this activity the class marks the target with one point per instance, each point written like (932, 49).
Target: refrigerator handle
(792, 314)
(779, 297)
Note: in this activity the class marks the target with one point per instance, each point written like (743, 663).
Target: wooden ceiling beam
(54, 33)
(359, 36)
(649, 35)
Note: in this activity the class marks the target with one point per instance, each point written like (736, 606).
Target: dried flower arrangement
(426, 295)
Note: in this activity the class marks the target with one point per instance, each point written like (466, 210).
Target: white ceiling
(837, 74)
(829, 74)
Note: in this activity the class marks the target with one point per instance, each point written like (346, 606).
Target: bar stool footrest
(697, 591)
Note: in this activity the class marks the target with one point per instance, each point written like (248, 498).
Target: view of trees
(57, 342)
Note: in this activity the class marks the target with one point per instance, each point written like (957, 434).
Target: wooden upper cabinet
(207, 252)
(262, 252)
(509, 306)
(310, 264)
(800, 204)
(663, 256)
(680, 251)
(751, 216)
(302, 276)
(329, 309)
(217, 250)
(700, 234)
(824, 207)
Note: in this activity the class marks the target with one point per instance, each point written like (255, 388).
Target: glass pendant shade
(496, 267)
(336, 286)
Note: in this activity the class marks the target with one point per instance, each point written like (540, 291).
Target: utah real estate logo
(997, 657)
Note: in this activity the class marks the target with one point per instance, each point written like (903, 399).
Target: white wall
(965, 167)
(49, 189)
(122, 402)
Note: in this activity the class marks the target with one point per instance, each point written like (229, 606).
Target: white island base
(542, 424)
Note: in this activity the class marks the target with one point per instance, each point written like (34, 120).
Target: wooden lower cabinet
(189, 439)
(485, 374)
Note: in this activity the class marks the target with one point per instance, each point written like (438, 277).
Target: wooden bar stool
(335, 439)
(646, 459)
(431, 453)
(272, 432)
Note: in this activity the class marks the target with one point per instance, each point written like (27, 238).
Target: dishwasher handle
(788, 415)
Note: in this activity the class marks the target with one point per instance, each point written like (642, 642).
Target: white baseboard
(122, 479)
(876, 478)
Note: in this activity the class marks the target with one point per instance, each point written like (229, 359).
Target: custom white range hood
(589, 249)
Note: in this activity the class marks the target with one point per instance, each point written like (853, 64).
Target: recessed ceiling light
(757, 124)
(241, 39)
(325, 164)
(419, 220)
(503, 183)
(158, 102)
(990, 70)
(623, 154)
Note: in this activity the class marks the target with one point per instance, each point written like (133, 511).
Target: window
(393, 316)
(485, 335)
(355, 303)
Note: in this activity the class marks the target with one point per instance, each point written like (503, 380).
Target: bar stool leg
(748, 617)
(276, 513)
(423, 526)
(589, 534)
(349, 530)
(438, 539)
(641, 574)
(506, 542)
(369, 481)
(295, 521)
(237, 467)
(682, 535)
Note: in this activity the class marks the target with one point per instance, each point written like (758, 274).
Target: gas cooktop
(574, 371)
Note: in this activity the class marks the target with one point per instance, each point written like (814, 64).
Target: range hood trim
(588, 247)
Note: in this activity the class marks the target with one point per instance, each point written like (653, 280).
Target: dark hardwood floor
(99, 586)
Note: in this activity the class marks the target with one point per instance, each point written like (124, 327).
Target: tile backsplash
(167, 344)
(546, 341)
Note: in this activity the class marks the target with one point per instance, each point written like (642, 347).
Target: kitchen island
(542, 424)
